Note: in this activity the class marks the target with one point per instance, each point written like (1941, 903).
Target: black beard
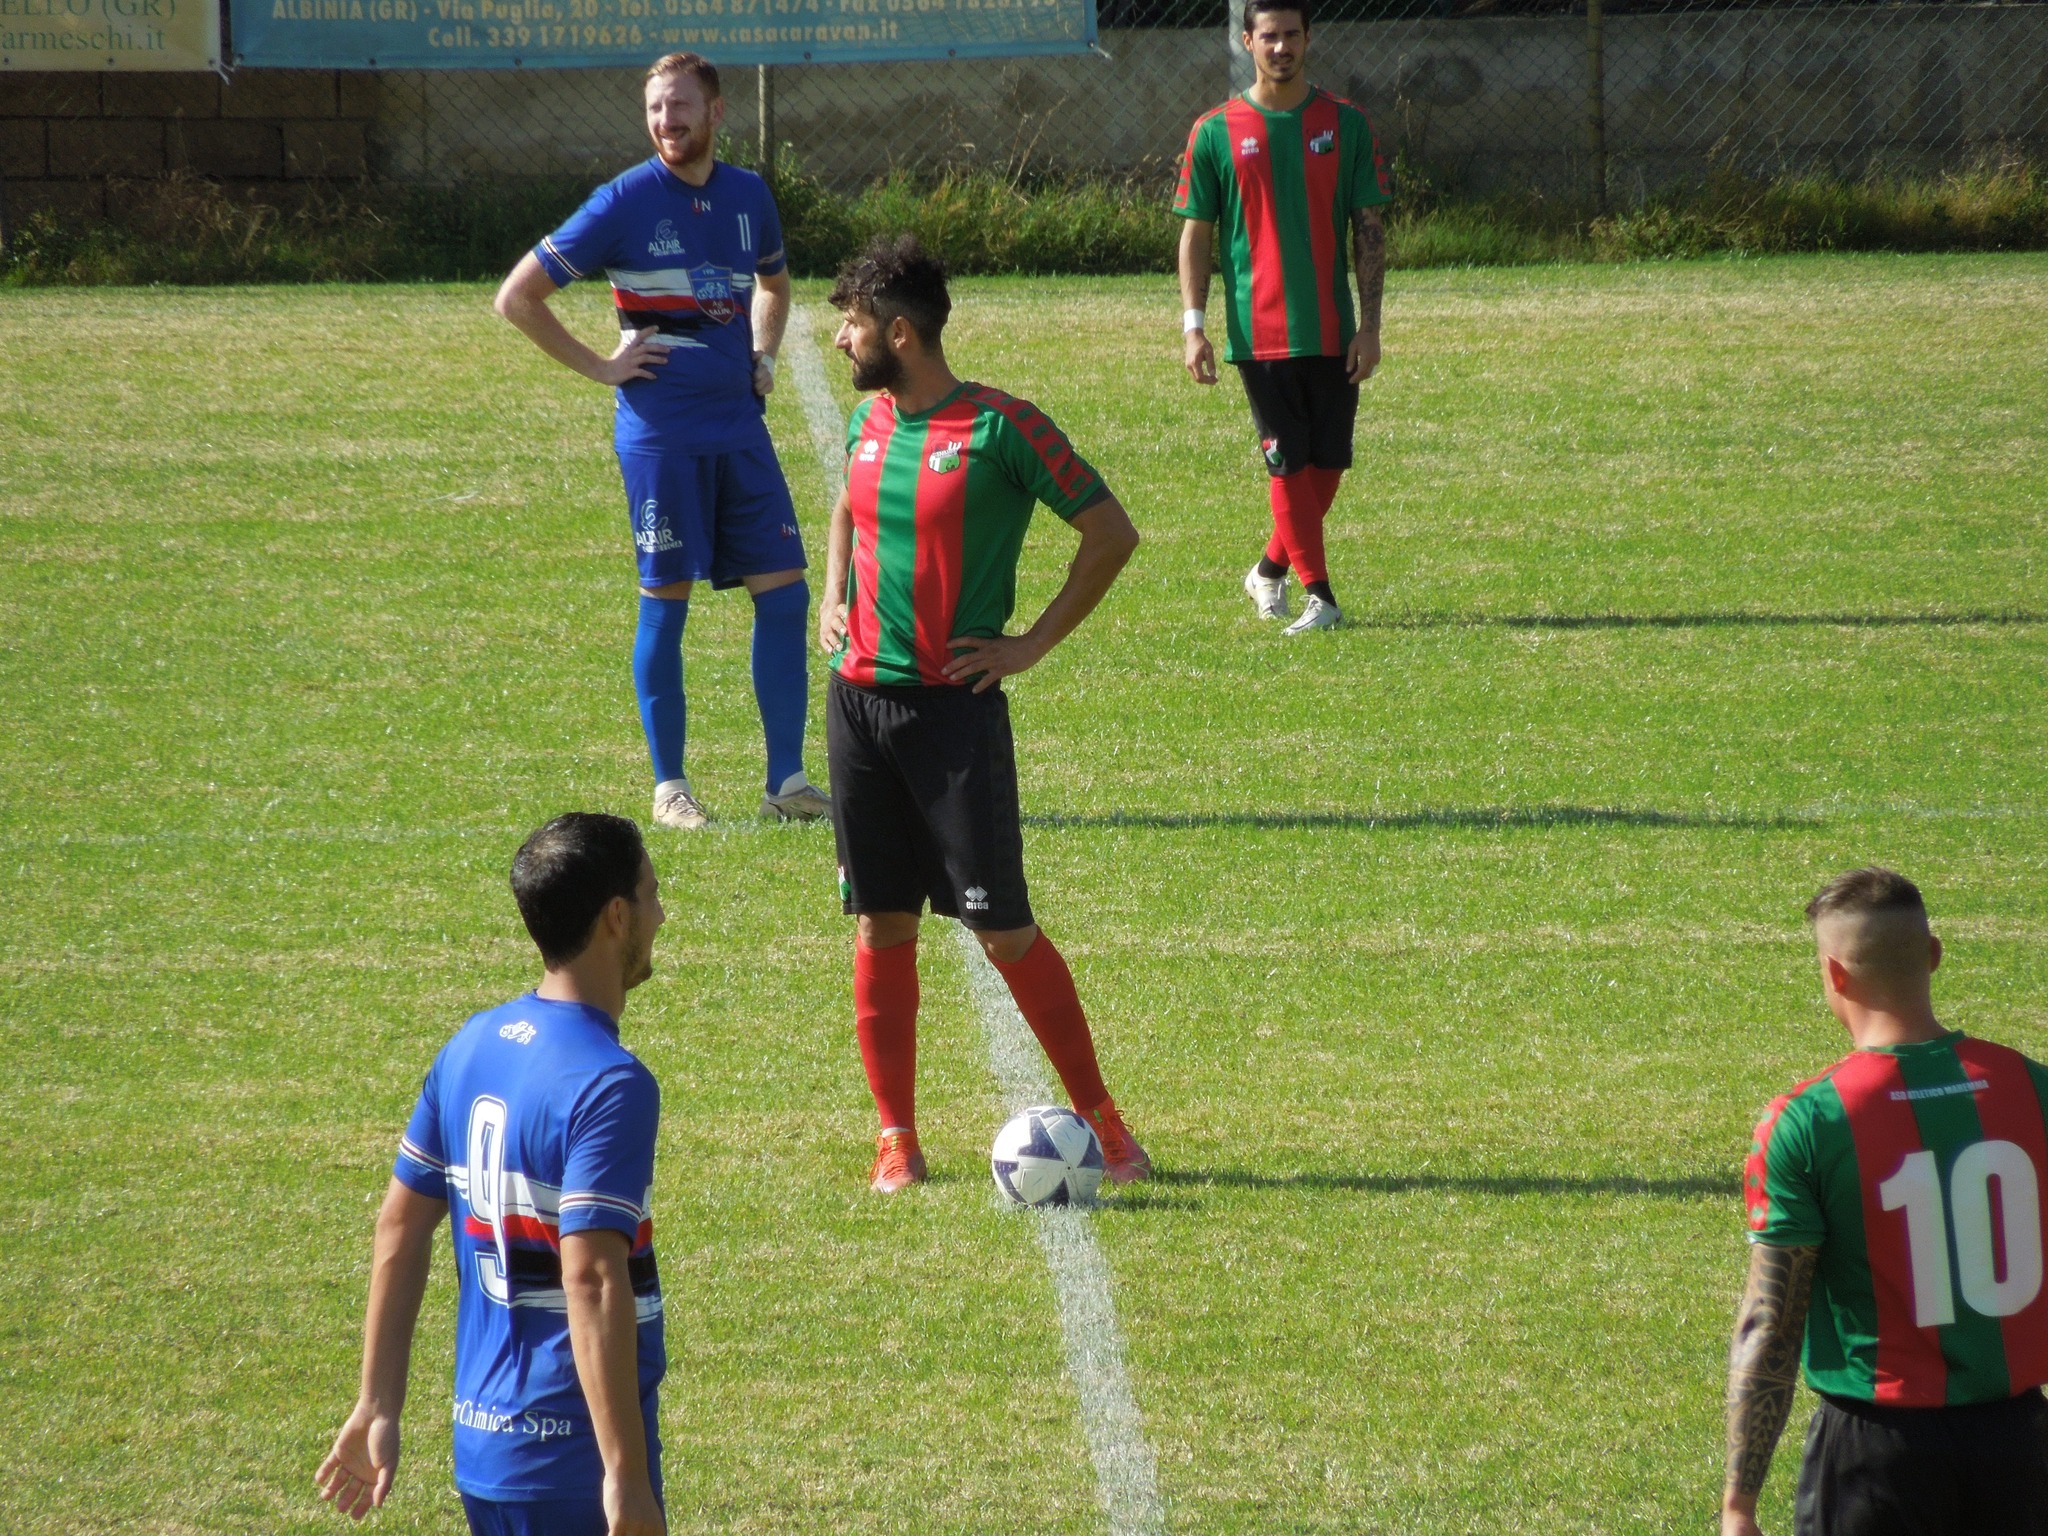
(882, 372)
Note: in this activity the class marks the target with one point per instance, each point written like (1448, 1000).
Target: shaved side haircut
(1878, 923)
(896, 276)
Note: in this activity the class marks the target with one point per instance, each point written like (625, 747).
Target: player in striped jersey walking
(1284, 171)
(1896, 1222)
(920, 581)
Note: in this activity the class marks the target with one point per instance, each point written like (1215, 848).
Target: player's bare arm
(523, 300)
(1107, 543)
(771, 317)
(1763, 1373)
(1369, 264)
(604, 1336)
(838, 558)
(1197, 246)
(356, 1477)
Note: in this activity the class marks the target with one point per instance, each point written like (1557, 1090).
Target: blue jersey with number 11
(682, 260)
(535, 1123)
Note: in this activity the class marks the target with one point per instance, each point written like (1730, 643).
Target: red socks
(885, 1019)
(1044, 990)
(1300, 503)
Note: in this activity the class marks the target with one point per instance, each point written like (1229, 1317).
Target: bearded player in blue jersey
(693, 249)
(535, 1130)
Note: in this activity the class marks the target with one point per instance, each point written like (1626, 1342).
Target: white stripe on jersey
(746, 233)
(517, 1196)
(548, 244)
(645, 1308)
(413, 1152)
(598, 1200)
(667, 282)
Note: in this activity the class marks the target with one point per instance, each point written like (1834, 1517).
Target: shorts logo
(521, 1033)
(712, 288)
(845, 885)
(977, 898)
(1270, 447)
(1323, 142)
(665, 242)
(653, 536)
(869, 447)
(1247, 146)
(945, 460)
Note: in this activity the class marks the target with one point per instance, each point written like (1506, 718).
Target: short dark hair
(1254, 9)
(695, 64)
(564, 875)
(897, 276)
(1866, 893)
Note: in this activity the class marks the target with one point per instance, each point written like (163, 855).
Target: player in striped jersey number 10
(1894, 1206)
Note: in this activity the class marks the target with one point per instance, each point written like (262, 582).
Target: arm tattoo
(1763, 1361)
(1369, 254)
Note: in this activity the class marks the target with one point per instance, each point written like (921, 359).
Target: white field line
(1126, 1478)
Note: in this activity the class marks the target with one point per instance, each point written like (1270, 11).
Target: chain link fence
(1483, 96)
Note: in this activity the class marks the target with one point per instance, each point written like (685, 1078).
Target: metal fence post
(1596, 100)
(764, 92)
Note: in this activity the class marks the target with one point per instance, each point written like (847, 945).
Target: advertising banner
(568, 34)
(109, 34)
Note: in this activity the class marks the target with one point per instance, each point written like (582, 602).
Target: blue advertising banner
(574, 34)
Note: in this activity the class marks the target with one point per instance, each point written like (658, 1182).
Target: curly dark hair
(897, 277)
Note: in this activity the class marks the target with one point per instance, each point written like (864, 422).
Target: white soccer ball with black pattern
(1047, 1155)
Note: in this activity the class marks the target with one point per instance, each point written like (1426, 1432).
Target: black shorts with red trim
(1965, 1470)
(1306, 410)
(924, 802)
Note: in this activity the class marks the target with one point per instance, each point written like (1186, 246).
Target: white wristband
(1191, 320)
(767, 360)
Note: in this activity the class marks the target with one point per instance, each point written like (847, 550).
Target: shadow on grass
(1503, 816)
(1737, 619)
(1719, 1186)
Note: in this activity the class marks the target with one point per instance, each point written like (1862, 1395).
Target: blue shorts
(538, 1517)
(721, 516)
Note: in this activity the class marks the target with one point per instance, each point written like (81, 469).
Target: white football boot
(1317, 614)
(798, 800)
(675, 806)
(1268, 594)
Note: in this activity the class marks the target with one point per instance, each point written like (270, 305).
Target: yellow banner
(109, 34)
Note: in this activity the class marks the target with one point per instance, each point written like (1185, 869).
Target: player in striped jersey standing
(1896, 1222)
(1284, 172)
(692, 248)
(920, 581)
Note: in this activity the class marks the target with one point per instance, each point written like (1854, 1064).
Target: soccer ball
(1047, 1156)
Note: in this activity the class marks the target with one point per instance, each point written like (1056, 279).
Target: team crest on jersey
(1323, 142)
(945, 460)
(869, 447)
(712, 288)
(1270, 447)
(653, 535)
(665, 242)
(1247, 146)
(521, 1033)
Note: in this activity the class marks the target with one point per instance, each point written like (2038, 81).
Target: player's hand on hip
(1361, 358)
(636, 358)
(995, 657)
(356, 1476)
(1200, 358)
(831, 626)
(630, 1508)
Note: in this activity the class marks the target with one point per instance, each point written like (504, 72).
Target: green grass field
(1443, 961)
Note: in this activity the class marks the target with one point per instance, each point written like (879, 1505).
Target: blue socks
(658, 679)
(781, 686)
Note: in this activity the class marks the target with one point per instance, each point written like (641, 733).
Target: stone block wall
(72, 143)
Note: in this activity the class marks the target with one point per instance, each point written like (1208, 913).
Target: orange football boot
(1123, 1160)
(898, 1163)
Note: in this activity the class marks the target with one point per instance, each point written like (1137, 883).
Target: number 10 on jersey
(1965, 1216)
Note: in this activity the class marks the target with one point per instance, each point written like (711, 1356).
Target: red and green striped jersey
(1917, 1171)
(940, 503)
(1281, 187)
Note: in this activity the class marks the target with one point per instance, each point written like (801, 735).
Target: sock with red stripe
(885, 1020)
(1045, 994)
(1298, 507)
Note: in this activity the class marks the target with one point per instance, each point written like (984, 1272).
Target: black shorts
(1962, 1471)
(924, 803)
(1305, 410)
